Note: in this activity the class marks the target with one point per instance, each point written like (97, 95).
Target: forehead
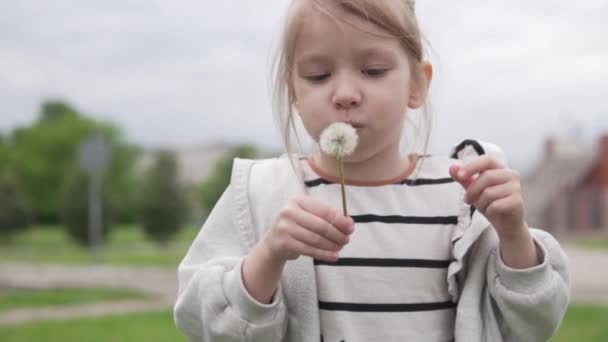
(331, 27)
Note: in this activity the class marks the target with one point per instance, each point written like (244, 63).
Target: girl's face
(355, 75)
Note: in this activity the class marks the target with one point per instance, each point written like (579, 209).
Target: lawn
(583, 323)
(27, 298)
(592, 243)
(127, 246)
(149, 326)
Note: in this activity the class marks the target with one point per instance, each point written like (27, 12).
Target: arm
(226, 295)
(526, 274)
(212, 302)
(532, 301)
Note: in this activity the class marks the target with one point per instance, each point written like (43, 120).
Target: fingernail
(461, 174)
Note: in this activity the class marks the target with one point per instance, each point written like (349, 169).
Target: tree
(15, 211)
(75, 211)
(44, 152)
(164, 205)
(56, 110)
(211, 190)
(5, 151)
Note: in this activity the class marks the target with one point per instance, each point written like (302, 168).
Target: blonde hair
(396, 17)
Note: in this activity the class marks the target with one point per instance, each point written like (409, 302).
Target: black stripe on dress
(368, 307)
(405, 219)
(427, 181)
(381, 262)
(410, 182)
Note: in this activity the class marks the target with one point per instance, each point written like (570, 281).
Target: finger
(330, 215)
(454, 169)
(485, 180)
(319, 226)
(503, 206)
(314, 240)
(345, 224)
(492, 194)
(315, 253)
(479, 165)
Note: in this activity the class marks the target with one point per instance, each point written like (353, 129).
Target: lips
(356, 125)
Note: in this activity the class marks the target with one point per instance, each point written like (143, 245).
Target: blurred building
(567, 193)
(195, 163)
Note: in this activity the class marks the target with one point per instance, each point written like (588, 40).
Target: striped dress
(390, 282)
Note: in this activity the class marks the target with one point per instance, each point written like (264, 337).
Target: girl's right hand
(308, 227)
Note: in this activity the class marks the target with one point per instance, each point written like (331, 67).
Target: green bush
(75, 213)
(164, 207)
(15, 210)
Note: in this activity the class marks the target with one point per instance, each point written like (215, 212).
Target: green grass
(149, 326)
(584, 323)
(127, 246)
(591, 243)
(22, 298)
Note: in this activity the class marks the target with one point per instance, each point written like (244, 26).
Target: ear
(419, 90)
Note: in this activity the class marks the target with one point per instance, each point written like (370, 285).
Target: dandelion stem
(342, 187)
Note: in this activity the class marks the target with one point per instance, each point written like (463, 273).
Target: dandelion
(339, 140)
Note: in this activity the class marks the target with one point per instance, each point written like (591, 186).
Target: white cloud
(189, 71)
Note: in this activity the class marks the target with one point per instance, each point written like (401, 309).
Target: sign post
(94, 157)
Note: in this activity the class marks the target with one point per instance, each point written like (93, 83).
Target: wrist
(518, 249)
(264, 251)
(515, 236)
(261, 272)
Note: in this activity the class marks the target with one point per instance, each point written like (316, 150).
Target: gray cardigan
(495, 302)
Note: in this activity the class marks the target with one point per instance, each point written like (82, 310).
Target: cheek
(391, 105)
(311, 120)
(309, 107)
(392, 95)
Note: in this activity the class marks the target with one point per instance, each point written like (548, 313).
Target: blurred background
(138, 107)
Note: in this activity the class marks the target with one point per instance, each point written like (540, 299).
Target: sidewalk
(589, 274)
(588, 268)
(159, 283)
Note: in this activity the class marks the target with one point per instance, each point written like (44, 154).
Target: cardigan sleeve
(212, 303)
(531, 302)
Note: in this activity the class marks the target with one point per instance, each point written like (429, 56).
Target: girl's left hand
(495, 191)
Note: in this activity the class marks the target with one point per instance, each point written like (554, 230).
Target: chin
(357, 157)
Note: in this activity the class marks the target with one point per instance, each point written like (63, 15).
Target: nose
(346, 95)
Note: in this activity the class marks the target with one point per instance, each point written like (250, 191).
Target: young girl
(435, 248)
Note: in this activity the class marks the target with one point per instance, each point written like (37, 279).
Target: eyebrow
(372, 51)
(308, 58)
(376, 51)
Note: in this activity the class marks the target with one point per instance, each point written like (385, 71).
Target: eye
(375, 71)
(317, 78)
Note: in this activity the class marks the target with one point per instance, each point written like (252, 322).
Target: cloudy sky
(195, 72)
